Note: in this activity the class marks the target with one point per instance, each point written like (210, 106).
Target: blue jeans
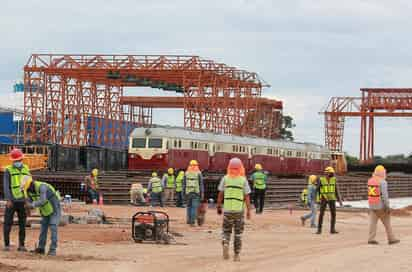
(192, 202)
(51, 221)
(179, 199)
(311, 215)
(93, 195)
(156, 197)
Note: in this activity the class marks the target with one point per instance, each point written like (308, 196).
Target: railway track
(115, 185)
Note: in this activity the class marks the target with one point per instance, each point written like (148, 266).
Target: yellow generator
(35, 156)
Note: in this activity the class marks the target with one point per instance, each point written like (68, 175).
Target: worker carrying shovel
(43, 196)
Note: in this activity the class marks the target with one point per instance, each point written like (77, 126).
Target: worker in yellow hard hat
(44, 197)
(155, 187)
(258, 179)
(378, 199)
(311, 201)
(169, 183)
(193, 190)
(327, 189)
(179, 189)
(92, 185)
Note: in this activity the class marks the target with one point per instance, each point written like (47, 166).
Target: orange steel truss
(261, 121)
(75, 99)
(374, 102)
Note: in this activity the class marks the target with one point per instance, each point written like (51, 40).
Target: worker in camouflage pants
(234, 191)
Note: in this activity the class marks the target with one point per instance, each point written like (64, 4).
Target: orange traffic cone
(100, 199)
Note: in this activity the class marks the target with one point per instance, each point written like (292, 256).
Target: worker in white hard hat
(328, 194)
(378, 199)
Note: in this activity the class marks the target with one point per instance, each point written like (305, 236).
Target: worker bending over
(156, 190)
(259, 185)
(14, 197)
(234, 192)
(329, 194)
(193, 190)
(378, 199)
(137, 194)
(168, 182)
(43, 196)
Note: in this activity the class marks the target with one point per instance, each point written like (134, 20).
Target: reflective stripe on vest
(192, 182)
(170, 182)
(234, 194)
(179, 183)
(156, 185)
(328, 189)
(259, 180)
(304, 196)
(374, 191)
(15, 179)
(47, 208)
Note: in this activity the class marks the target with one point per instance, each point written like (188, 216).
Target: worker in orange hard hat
(378, 199)
(193, 190)
(14, 197)
(234, 192)
(311, 200)
(169, 183)
(328, 193)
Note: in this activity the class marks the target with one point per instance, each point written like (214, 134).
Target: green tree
(286, 127)
(351, 159)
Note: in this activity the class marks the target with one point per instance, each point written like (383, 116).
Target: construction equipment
(151, 226)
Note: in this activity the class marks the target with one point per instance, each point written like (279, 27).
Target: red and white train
(159, 148)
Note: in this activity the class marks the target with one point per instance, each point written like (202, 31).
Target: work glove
(219, 210)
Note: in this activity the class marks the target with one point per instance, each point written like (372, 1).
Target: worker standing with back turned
(156, 189)
(259, 185)
(169, 184)
(193, 190)
(329, 194)
(378, 199)
(179, 189)
(234, 192)
(311, 202)
(14, 197)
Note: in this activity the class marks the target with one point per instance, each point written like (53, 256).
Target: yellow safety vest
(328, 189)
(16, 176)
(170, 182)
(234, 193)
(47, 208)
(259, 180)
(179, 183)
(192, 182)
(156, 185)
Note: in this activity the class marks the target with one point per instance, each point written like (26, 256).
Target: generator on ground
(151, 226)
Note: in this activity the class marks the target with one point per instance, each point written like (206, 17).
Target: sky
(308, 51)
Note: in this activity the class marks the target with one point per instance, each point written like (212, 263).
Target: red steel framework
(74, 99)
(374, 102)
(262, 121)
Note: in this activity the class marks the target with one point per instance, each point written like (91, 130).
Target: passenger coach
(164, 147)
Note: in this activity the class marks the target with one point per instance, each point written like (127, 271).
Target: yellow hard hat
(154, 174)
(193, 163)
(25, 184)
(95, 172)
(258, 166)
(170, 171)
(380, 171)
(380, 168)
(329, 169)
(312, 179)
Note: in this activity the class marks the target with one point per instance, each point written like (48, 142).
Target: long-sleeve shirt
(149, 186)
(384, 203)
(337, 194)
(164, 181)
(45, 194)
(201, 186)
(311, 194)
(7, 188)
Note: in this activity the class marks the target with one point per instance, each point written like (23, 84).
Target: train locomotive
(159, 148)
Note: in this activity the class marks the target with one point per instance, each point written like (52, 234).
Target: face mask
(18, 164)
(330, 175)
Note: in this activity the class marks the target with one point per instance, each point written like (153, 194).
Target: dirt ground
(272, 241)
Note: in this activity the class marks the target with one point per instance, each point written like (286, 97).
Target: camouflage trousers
(233, 221)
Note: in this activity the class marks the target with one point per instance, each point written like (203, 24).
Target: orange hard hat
(16, 155)
(235, 163)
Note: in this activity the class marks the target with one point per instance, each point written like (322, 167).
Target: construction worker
(137, 194)
(156, 189)
(311, 201)
(304, 197)
(14, 198)
(179, 189)
(259, 185)
(193, 190)
(234, 191)
(327, 189)
(92, 185)
(378, 199)
(43, 196)
(168, 182)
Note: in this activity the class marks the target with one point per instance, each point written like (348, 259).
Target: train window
(180, 143)
(191, 145)
(289, 153)
(206, 146)
(214, 148)
(233, 148)
(195, 145)
(155, 143)
(298, 154)
(175, 143)
(276, 152)
(139, 143)
(167, 144)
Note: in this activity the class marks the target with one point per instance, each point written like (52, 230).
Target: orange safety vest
(374, 191)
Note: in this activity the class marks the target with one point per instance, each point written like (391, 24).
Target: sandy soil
(272, 241)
